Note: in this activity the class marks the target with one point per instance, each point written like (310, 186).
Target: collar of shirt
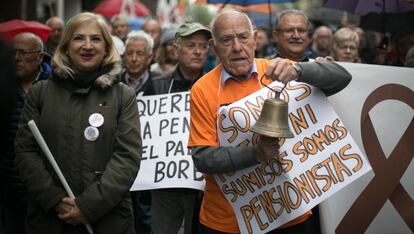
(305, 57)
(137, 84)
(225, 75)
(38, 74)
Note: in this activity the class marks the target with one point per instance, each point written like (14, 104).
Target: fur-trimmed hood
(104, 81)
(108, 79)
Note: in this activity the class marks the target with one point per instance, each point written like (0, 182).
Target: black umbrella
(376, 11)
(394, 22)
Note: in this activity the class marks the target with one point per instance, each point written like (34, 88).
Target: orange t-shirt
(207, 95)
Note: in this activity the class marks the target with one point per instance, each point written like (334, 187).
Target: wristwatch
(297, 68)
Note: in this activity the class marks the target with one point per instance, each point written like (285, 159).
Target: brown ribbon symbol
(388, 172)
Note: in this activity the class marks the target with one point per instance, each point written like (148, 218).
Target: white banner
(321, 159)
(378, 108)
(166, 161)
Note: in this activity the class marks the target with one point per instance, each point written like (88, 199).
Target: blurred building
(41, 10)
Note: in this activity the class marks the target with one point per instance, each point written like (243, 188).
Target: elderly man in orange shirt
(235, 78)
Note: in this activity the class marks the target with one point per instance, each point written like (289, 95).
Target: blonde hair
(61, 61)
(345, 34)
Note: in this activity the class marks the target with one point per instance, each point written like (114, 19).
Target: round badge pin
(96, 120)
(91, 133)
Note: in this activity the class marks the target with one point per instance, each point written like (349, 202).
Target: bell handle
(277, 93)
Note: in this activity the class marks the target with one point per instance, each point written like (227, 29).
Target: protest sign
(321, 159)
(166, 161)
(378, 108)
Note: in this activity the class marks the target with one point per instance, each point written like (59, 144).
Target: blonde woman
(345, 45)
(91, 125)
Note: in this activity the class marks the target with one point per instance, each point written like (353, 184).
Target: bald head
(34, 42)
(322, 31)
(56, 24)
(28, 55)
(323, 38)
(53, 21)
(153, 28)
(234, 42)
(151, 23)
(230, 16)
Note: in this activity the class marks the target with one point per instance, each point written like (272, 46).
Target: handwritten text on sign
(321, 159)
(166, 161)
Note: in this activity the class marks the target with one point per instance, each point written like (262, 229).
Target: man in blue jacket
(29, 68)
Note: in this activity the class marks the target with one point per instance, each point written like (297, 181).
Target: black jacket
(99, 172)
(171, 83)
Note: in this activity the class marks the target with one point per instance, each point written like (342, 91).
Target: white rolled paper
(46, 151)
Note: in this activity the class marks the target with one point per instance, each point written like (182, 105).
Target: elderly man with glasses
(29, 65)
(292, 36)
(29, 68)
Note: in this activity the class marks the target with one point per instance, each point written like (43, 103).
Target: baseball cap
(189, 28)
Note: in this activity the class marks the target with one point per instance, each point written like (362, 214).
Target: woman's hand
(71, 216)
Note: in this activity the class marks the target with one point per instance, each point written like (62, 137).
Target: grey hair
(141, 35)
(292, 12)
(345, 34)
(214, 22)
(118, 17)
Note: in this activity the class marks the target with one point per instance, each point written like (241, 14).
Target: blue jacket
(12, 189)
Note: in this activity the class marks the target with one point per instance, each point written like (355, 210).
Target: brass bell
(273, 120)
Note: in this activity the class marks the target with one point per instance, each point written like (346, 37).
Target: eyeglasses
(291, 31)
(346, 47)
(24, 53)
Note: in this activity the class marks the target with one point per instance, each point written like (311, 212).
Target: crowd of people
(80, 87)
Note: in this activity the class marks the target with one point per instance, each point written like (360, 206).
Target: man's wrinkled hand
(281, 70)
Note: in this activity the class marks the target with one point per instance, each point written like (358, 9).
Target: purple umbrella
(247, 2)
(251, 2)
(363, 7)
